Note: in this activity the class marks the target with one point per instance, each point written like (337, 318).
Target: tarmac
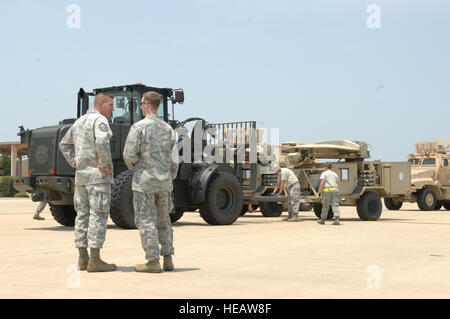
(406, 254)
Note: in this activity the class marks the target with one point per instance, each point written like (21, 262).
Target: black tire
(446, 205)
(369, 207)
(122, 211)
(438, 206)
(318, 211)
(271, 209)
(223, 200)
(64, 214)
(426, 199)
(392, 204)
(175, 216)
(305, 207)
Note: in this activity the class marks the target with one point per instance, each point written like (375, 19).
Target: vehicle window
(445, 162)
(344, 174)
(414, 161)
(429, 161)
(122, 104)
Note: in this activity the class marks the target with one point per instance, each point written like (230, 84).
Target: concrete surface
(406, 254)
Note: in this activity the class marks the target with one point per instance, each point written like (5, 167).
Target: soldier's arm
(132, 148)
(103, 136)
(322, 183)
(282, 184)
(174, 158)
(67, 147)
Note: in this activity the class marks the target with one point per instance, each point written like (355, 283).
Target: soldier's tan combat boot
(96, 264)
(293, 218)
(321, 221)
(285, 219)
(83, 259)
(150, 266)
(168, 264)
(336, 222)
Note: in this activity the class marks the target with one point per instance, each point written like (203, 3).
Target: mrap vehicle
(430, 178)
(217, 189)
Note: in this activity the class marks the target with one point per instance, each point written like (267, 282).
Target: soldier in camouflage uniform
(148, 151)
(330, 194)
(287, 178)
(86, 147)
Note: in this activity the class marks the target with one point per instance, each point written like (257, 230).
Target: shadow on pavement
(131, 269)
(65, 228)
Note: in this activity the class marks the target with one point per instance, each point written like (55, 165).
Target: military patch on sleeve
(103, 127)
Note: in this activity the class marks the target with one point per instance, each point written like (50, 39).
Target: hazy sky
(313, 69)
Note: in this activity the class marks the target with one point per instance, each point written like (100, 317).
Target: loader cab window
(414, 161)
(429, 161)
(445, 162)
(122, 106)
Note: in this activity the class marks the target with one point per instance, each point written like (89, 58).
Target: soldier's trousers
(330, 198)
(294, 200)
(151, 212)
(92, 205)
(40, 207)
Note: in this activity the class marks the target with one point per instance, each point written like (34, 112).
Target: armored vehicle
(217, 188)
(430, 178)
(362, 182)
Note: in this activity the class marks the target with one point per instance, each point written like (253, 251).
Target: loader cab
(127, 102)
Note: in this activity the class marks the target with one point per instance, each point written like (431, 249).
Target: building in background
(17, 151)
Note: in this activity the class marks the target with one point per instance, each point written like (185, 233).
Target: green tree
(5, 164)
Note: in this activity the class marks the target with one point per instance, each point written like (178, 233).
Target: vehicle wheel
(391, 204)
(223, 200)
(369, 207)
(305, 207)
(426, 199)
(122, 211)
(438, 206)
(271, 209)
(244, 209)
(446, 206)
(64, 214)
(176, 215)
(318, 211)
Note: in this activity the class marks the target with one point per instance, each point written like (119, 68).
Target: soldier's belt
(329, 189)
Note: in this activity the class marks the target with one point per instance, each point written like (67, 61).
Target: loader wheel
(446, 206)
(369, 207)
(426, 199)
(64, 214)
(122, 211)
(176, 215)
(305, 207)
(391, 204)
(318, 211)
(223, 200)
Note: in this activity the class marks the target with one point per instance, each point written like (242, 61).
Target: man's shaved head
(102, 98)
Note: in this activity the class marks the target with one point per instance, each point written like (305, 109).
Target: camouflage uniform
(330, 198)
(85, 146)
(41, 207)
(293, 187)
(294, 200)
(148, 151)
